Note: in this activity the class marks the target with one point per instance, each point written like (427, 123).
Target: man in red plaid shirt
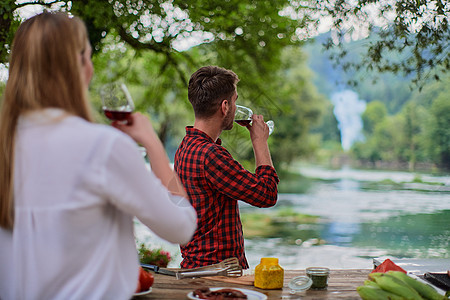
(214, 181)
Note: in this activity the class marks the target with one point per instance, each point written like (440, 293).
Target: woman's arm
(128, 185)
(141, 130)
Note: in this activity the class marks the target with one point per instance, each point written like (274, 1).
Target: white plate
(143, 293)
(251, 295)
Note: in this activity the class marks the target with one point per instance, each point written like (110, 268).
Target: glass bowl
(300, 284)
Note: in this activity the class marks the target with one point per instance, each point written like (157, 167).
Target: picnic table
(341, 285)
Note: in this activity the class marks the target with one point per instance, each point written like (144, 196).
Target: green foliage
(393, 90)
(387, 137)
(417, 32)
(8, 25)
(287, 97)
(280, 222)
(439, 131)
(255, 32)
(414, 117)
(165, 100)
(2, 89)
(252, 33)
(300, 106)
(329, 124)
(375, 113)
(157, 257)
(153, 89)
(419, 133)
(141, 42)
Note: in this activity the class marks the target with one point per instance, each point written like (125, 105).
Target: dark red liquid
(244, 123)
(117, 115)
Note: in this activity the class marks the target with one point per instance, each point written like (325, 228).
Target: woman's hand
(138, 128)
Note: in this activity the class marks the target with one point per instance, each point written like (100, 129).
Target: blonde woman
(69, 189)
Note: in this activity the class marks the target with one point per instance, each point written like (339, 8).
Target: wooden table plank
(341, 285)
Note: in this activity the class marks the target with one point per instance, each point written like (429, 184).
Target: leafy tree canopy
(418, 134)
(260, 29)
(244, 28)
(416, 30)
(375, 113)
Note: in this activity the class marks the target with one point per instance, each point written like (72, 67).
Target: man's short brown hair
(208, 86)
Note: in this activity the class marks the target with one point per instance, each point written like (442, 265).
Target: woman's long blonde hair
(44, 71)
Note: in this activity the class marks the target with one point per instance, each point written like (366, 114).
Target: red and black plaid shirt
(215, 182)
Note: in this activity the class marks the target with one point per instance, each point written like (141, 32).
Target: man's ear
(225, 106)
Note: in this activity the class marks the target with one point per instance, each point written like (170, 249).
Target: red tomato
(146, 279)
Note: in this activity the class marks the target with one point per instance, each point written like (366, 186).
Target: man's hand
(259, 133)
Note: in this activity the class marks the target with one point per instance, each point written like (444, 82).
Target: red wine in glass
(117, 115)
(244, 123)
(243, 117)
(117, 102)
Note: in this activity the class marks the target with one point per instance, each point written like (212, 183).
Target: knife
(159, 270)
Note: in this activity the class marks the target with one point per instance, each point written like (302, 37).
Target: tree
(413, 118)
(417, 31)
(387, 138)
(300, 107)
(8, 25)
(327, 126)
(296, 108)
(159, 96)
(249, 30)
(171, 39)
(439, 142)
(375, 113)
(256, 31)
(419, 133)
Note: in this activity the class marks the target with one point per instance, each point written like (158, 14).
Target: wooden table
(341, 285)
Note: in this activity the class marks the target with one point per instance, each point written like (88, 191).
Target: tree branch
(38, 2)
(138, 45)
(176, 65)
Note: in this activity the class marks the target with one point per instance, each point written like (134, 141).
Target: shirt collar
(43, 116)
(191, 131)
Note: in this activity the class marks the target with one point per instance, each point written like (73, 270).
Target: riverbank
(411, 179)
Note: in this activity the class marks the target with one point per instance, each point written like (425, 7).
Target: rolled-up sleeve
(230, 178)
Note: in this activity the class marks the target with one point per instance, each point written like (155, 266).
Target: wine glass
(118, 105)
(243, 117)
(117, 102)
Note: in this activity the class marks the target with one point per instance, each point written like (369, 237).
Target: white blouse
(77, 188)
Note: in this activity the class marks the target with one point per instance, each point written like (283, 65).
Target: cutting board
(244, 280)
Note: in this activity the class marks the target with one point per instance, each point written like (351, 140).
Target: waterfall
(348, 109)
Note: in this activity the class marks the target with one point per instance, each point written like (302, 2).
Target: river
(362, 215)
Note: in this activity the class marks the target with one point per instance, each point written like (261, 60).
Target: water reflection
(419, 235)
(340, 233)
(358, 224)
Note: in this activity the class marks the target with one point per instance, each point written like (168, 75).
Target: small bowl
(300, 284)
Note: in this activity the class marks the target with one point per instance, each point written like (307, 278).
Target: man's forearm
(262, 154)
